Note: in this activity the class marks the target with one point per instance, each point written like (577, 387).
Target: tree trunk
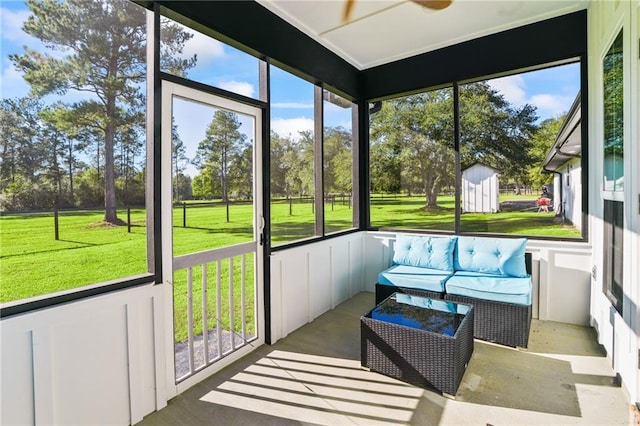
(71, 197)
(56, 170)
(110, 214)
(432, 189)
(518, 190)
(432, 197)
(223, 176)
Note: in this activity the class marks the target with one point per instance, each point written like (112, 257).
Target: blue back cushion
(425, 252)
(499, 256)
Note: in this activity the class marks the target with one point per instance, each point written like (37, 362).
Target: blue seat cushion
(499, 288)
(425, 252)
(499, 256)
(414, 277)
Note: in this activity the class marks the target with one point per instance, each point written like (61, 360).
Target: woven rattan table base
(422, 358)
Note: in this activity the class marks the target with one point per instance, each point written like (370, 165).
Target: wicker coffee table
(425, 342)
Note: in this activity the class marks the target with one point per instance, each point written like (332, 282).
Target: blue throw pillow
(425, 252)
(499, 256)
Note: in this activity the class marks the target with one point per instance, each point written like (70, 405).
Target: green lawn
(518, 215)
(32, 262)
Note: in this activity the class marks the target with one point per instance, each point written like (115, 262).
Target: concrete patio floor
(313, 376)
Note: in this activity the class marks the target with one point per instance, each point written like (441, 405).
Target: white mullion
(190, 318)
(205, 315)
(219, 308)
(243, 299)
(231, 325)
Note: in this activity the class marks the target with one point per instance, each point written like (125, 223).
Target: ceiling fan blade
(429, 4)
(348, 8)
(434, 4)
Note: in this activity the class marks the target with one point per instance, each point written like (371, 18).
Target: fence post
(55, 224)
(129, 220)
(184, 214)
(290, 207)
(333, 201)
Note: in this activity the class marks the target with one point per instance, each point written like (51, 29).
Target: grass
(518, 215)
(33, 263)
(216, 317)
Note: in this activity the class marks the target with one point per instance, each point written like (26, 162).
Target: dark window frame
(320, 233)
(152, 191)
(458, 179)
(543, 41)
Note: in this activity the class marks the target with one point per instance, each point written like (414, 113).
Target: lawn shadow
(244, 230)
(81, 245)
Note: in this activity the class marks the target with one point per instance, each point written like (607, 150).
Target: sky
(551, 90)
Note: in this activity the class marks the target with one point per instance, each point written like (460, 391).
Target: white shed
(480, 189)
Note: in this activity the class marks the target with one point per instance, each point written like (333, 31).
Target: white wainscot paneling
(340, 273)
(89, 362)
(570, 280)
(86, 362)
(294, 289)
(356, 282)
(16, 373)
(321, 289)
(378, 254)
(309, 280)
(564, 281)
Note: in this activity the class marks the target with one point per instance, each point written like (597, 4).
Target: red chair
(543, 204)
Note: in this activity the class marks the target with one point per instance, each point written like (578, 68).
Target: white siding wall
(618, 333)
(571, 191)
(308, 281)
(88, 362)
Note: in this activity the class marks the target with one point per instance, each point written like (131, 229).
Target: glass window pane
(75, 144)
(613, 117)
(613, 254)
(292, 158)
(338, 163)
(412, 162)
(520, 146)
(207, 60)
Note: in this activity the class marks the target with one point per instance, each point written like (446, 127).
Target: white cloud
(205, 47)
(12, 84)
(348, 125)
(12, 21)
(239, 87)
(291, 126)
(512, 88)
(292, 105)
(551, 105)
(14, 37)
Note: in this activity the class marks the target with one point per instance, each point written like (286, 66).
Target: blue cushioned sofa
(492, 274)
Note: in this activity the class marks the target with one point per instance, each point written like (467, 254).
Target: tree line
(224, 163)
(89, 151)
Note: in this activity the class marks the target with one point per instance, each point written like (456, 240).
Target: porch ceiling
(383, 31)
